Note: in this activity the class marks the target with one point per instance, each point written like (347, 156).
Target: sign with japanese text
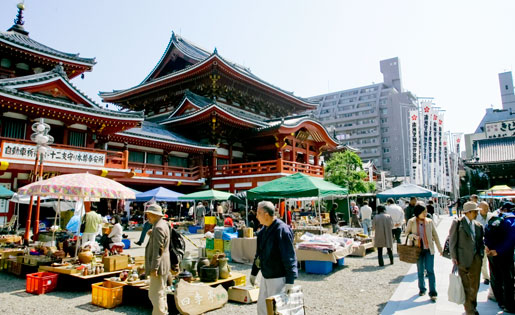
(19, 151)
(500, 129)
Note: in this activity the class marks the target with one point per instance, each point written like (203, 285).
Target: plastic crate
(240, 281)
(193, 229)
(210, 243)
(219, 245)
(319, 267)
(15, 268)
(210, 220)
(340, 262)
(126, 243)
(41, 282)
(228, 255)
(106, 294)
(3, 264)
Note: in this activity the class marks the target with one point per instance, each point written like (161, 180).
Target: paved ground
(405, 299)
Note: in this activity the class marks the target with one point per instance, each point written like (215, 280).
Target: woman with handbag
(423, 232)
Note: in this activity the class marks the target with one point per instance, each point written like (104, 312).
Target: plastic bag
(456, 292)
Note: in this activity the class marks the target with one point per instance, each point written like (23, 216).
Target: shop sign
(18, 151)
(500, 129)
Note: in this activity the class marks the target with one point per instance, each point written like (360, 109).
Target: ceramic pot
(224, 270)
(208, 274)
(193, 269)
(185, 264)
(85, 256)
(186, 276)
(202, 261)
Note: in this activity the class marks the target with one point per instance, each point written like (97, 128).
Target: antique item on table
(208, 274)
(224, 270)
(202, 261)
(85, 256)
(214, 260)
(124, 275)
(186, 276)
(186, 262)
(248, 232)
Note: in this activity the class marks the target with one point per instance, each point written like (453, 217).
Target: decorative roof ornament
(18, 21)
(60, 70)
(216, 51)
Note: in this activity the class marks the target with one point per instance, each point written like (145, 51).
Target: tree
(346, 169)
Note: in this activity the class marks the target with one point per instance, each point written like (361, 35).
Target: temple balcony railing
(20, 151)
(168, 172)
(268, 167)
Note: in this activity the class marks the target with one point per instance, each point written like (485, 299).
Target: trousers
(367, 226)
(470, 278)
(157, 295)
(501, 279)
(397, 235)
(484, 268)
(380, 255)
(267, 288)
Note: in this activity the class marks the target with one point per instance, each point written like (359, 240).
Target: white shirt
(366, 213)
(484, 221)
(471, 226)
(396, 213)
(116, 233)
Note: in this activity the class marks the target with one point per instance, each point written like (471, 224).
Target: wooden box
(115, 263)
(243, 294)
(139, 260)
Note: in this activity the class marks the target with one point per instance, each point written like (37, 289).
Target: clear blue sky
(450, 50)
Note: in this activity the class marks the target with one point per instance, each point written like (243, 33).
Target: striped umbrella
(83, 186)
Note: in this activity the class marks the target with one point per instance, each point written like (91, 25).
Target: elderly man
(157, 259)
(484, 216)
(467, 249)
(397, 215)
(354, 210)
(275, 256)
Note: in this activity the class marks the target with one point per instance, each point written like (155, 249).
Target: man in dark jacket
(409, 210)
(275, 256)
(332, 217)
(499, 246)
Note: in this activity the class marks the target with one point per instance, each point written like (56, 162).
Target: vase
(185, 264)
(224, 270)
(208, 274)
(202, 261)
(85, 256)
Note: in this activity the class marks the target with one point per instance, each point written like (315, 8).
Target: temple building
(196, 121)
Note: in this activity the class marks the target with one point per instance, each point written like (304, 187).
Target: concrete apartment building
(369, 118)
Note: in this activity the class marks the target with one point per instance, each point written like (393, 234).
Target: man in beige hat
(467, 250)
(157, 259)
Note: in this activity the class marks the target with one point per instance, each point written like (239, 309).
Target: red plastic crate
(41, 282)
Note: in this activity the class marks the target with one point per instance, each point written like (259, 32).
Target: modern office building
(371, 118)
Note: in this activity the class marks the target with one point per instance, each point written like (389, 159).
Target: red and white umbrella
(81, 186)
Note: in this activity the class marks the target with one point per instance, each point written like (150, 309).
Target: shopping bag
(456, 292)
(408, 253)
(286, 303)
(446, 249)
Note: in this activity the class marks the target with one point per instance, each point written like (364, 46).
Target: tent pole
(55, 219)
(348, 209)
(79, 240)
(320, 214)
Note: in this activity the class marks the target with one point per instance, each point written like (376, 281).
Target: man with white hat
(157, 259)
(467, 250)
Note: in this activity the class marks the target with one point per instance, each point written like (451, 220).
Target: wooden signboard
(199, 298)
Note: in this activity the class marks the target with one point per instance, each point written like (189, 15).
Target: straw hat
(154, 209)
(470, 206)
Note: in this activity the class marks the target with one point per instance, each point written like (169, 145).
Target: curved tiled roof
(25, 42)
(154, 131)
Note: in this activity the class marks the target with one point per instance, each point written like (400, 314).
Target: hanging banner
(426, 142)
(447, 185)
(414, 147)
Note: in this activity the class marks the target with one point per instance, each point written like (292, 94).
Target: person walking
(484, 216)
(275, 256)
(366, 218)
(409, 211)
(354, 210)
(430, 208)
(200, 213)
(423, 232)
(383, 225)
(397, 214)
(157, 259)
(333, 219)
(499, 246)
(467, 249)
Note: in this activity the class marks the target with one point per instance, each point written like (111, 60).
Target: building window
(220, 162)
(383, 111)
(177, 161)
(386, 160)
(136, 156)
(13, 128)
(384, 120)
(386, 140)
(386, 150)
(384, 129)
(77, 139)
(153, 158)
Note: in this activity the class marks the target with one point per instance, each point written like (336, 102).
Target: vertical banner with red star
(426, 142)
(415, 156)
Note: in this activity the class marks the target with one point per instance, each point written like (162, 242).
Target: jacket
(431, 234)
(157, 254)
(461, 244)
(383, 225)
(506, 244)
(275, 254)
(92, 219)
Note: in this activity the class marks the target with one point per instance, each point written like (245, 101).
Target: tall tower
(391, 70)
(507, 93)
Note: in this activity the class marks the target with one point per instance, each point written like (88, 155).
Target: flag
(415, 170)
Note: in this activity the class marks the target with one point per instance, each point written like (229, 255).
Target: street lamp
(42, 139)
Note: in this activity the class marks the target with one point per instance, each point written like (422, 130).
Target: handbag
(407, 253)
(455, 292)
(446, 247)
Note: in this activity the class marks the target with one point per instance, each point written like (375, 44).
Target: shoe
(138, 243)
(508, 311)
(433, 298)
(422, 293)
(487, 282)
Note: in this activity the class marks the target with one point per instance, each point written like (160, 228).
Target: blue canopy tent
(405, 190)
(158, 194)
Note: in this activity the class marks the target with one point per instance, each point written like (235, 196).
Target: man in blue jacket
(499, 246)
(275, 256)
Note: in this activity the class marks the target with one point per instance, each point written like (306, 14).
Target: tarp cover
(405, 190)
(296, 186)
(207, 195)
(158, 194)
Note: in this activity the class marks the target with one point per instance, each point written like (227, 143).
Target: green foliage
(346, 169)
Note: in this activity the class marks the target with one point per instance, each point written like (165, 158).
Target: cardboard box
(243, 294)
(115, 263)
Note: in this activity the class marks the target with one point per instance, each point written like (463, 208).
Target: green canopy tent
(210, 194)
(297, 186)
